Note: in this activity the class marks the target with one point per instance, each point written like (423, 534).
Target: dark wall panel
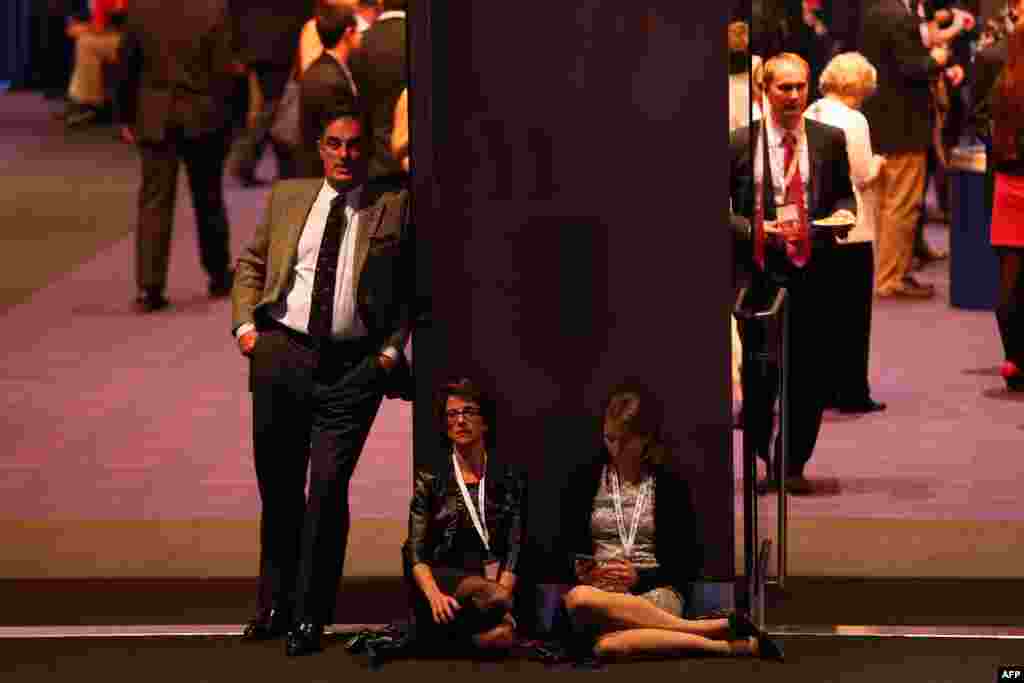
(569, 188)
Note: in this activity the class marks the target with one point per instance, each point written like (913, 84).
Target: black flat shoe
(150, 301)
(304, 639)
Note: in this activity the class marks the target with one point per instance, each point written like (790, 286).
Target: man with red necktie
(787, 173)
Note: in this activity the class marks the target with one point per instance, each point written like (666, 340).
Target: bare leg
(501, 637)
(618, 611)
(658, 642)
(484, 593)
(491, 600)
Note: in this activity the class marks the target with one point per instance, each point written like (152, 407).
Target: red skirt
(1008, 211)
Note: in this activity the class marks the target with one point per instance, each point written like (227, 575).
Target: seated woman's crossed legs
(487, 605)
(630, 625)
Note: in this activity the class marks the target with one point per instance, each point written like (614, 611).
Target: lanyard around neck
(479, 520)
(628, 540)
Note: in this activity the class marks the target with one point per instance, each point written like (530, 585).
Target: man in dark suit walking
(381, 71)
(266, 37)
(327, 83)
(178, 70)
(321, 308)
(803, 170)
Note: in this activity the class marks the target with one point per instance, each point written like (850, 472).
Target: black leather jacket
(437, 510)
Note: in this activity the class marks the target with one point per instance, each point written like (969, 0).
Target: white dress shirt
(862, 169)
(293, 310)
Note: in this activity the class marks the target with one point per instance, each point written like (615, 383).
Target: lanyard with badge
(628, 539)
(785, 213)
(479, 519)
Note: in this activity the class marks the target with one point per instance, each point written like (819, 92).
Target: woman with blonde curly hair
(846, 82)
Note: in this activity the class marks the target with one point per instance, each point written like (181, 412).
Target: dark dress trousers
(314, 404)
(381, 71)
(678, 546)
(323, 87)
(809, 303)
(177, 78)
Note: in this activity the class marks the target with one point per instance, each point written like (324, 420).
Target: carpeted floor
(146, 408)
(809, 660)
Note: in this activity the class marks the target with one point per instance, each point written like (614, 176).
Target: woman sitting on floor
(465, 530)
(633, 529)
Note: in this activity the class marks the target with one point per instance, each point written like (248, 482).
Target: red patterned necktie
(798, 250)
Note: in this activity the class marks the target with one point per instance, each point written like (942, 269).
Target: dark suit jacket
(438, 509)
(322, 87)
(381, 72)
(830, 187)
(677, 544)
(383, 261)
(899, 110)
(176, 61)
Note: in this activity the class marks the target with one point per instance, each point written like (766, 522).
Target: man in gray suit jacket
(321, 308)
(177, 77)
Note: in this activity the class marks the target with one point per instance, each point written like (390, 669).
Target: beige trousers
(900, 194)
(92, 51)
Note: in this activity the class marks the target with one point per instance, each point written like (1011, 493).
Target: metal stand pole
(754, 577)
(785, 437)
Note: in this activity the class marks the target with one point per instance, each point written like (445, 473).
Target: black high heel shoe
(741, 628)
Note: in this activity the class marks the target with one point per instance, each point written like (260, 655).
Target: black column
(569, 190)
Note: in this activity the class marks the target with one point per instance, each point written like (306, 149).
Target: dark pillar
(569, 175)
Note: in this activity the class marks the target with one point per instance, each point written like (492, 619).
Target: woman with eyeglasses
(632, 532)
(465, 529)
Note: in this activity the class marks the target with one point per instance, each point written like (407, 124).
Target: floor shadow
(197, 303)
(896, 489)
(983, 372)
(836, 416)
(1004, 394)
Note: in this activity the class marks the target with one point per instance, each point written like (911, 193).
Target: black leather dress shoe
(220, 285)
(150, 300)
(866, 406)
(250, 180)
(304, 639)
(267, 626)
(766, 486)
(798, 486)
